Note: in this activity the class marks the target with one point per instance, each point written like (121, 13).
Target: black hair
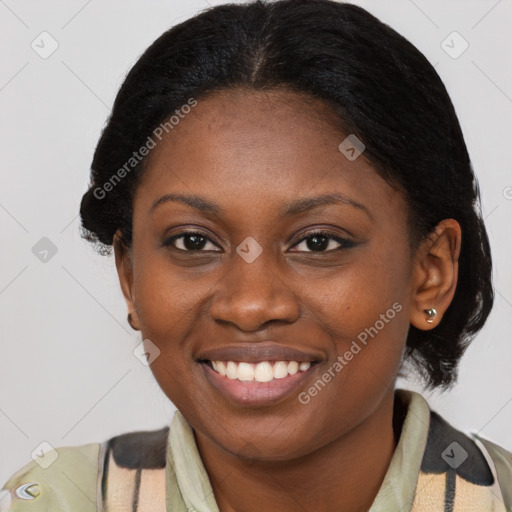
(380, 86)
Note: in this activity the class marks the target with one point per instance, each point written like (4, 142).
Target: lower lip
(253, 392)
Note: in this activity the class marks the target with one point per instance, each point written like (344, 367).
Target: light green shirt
(162, 471)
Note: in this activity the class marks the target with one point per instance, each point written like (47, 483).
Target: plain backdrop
(67, 372)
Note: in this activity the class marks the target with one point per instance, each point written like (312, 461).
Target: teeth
(221, 367)
(231, 370)
(280, 370)
(245, 371)
(293, 367)
(264, 371)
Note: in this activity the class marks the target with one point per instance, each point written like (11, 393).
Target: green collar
(188, 487)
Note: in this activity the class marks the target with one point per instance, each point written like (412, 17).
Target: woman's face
(257, 286)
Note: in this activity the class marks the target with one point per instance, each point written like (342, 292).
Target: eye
(321, 241)
(189, 241)
(318, 241)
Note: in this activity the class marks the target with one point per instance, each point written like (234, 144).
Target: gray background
(67, 372)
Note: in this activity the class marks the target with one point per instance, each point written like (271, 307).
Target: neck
(344, 475)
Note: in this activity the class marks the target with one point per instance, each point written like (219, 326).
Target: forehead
(259, 145)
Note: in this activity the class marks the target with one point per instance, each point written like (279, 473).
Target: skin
(250, 152)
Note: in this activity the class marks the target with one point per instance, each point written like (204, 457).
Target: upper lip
(256, 352)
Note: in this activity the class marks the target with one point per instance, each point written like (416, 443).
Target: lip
(255, 352)
(253, 393)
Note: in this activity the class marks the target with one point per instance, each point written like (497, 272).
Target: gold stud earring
(431, 313)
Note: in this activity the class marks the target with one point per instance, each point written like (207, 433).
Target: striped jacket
(434, 468)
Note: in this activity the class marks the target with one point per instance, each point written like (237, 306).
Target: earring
(130, 321)
(431, 313)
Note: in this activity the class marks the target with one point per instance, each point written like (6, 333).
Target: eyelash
(345, 243)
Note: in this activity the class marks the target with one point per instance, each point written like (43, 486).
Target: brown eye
(323, 242)
(189, 241)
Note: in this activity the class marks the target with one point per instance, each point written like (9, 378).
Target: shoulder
(502, 460)
(57, 478)
(469, 454)
(464, 468)
(132, 470)
(88, 476)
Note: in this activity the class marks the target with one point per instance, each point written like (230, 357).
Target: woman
(294, 219)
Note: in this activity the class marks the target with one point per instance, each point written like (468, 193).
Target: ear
(124, 265)
(435, 273)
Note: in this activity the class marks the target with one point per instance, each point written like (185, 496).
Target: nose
(253, 294)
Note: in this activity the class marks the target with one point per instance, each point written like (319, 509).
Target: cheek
(372, 291)
(364, 309)
(164, 306)
(164, 314)
(165, 298)
(365, 314)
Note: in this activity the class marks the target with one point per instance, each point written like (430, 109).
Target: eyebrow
(308, 203)
(196, 202)
(289, 209)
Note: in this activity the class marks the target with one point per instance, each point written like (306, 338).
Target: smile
(264, 371)
(256, 384)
